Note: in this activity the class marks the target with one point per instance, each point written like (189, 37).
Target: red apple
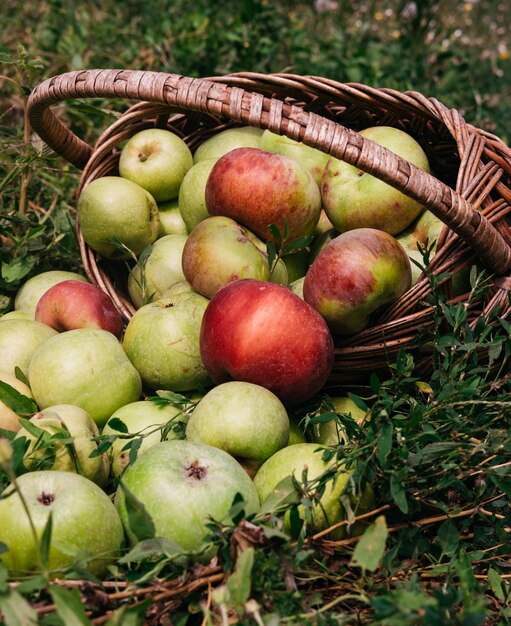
(257, 188)
(263, 333)
(72, 304)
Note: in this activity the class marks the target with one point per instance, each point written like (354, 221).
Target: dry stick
(386, 507)
(208, 606)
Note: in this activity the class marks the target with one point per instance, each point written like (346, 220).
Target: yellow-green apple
(19, 339)
(257, 188)
(263, 333)
(312, 159)
(86, 367)
(296, 434)
(192, 194)
(142, 419)
(162, 342)
(114, 212)
(182, 484)
(86, 528)
(16, 315)
(180, 286)
(157, 160)
(71, 422)
(161, 269)
(246, 420)
(354, 199)
(9, 420)
(227, 140)
(426, 228)
(323, 224)
(332, 433)
(171, 220)
(354, 275)
(218, 251)
(74, 304)
(30, 292)
(297, 286)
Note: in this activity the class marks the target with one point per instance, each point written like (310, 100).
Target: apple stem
(142, 157)
(195, 470)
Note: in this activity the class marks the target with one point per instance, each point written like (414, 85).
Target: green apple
(246, 420)
(157, 160)
(31, 291)
(115, 212)
(297, 286)
(182, 484)
(16, 315)
(8, 418)
(70, 421)
(296, 434)
(312, 159)
(161, 269)
(192, 194)
(171, 220)
(85, 524)
(86, 367)
(227, 140)
(19, 339)
(162, 342)
(144, 419)
(354, 199)
(332, 433)
(427, 227)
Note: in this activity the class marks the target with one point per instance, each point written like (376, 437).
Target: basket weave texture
(469, 190)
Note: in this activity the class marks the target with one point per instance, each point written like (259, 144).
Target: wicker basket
(470, 190)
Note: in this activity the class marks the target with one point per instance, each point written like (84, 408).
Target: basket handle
(255, 109)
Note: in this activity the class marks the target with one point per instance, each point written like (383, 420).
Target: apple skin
(332, 433)
(171, 220)
(82, 429)
(263, 333)
(182, 484)
(83, 516)
(8, 418)
(19, 339)
(162, 268)
(312, 159)
(227, 140)
(142, 417)
(162, 342)
(257, 188)
(116, 208)
(86, 367)
(353, 199)
(354, 275)
(74, 304)
(297, 286)
(157, 160)
(192, 194)
(296, 434)
(31, 291)
(246, 420)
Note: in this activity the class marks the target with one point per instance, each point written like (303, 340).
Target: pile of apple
(252, 255)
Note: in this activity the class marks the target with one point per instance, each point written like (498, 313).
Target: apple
(323, 224)
(30, 292)
(73, 422)
(263, 333)
(353, 199)
(246, 420)
(218, 251)
(16, 315)
(84, 521)
(297, 286)
(320, 242)
(292, 461)
(296, 434)
(257, 188)
(162, 342)
(19, 339)
(180, 286)
(192, 194)
(86, 367)
(115, 212)
(8, 418)
(161, 269)
(171, 220)
(74, 304)
(312, 159)
(227, 140)
(332, 433)
(354, 275)
(182, 484)
(143, 418)
(157, 160)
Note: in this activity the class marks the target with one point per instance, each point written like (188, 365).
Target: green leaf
(19, 403)
(117, 424)
(69, 606)
(497, 584)
(398, 493)
(140, 522)
(151, 548)
(448, 537)
(17, 268)
(16, 610)
(371, 547)
(284, 494)
(271, 251)
(385, 442)
(45, 542)
(130, 615)
(239, 582)
(297, 244)
(18, 372)
(275, 233)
